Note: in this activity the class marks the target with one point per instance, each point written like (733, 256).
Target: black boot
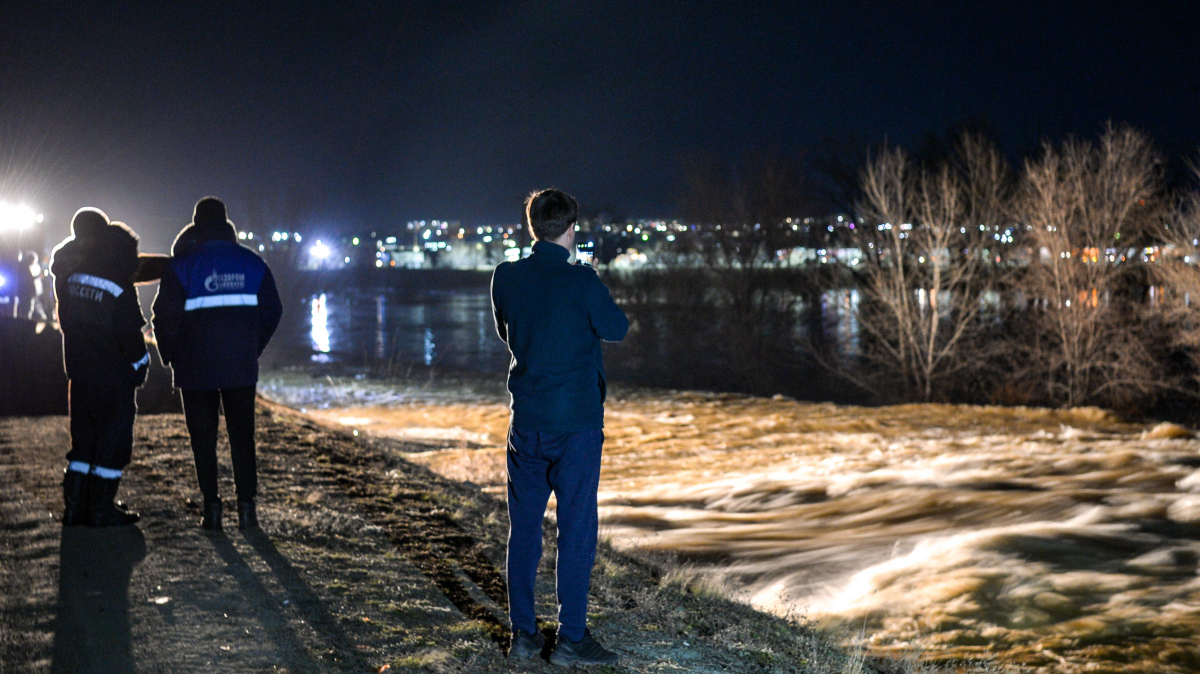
(75, 498)
(103, 512)
(212, 514)
(247, 515)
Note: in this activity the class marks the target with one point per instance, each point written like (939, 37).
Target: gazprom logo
(216, 282)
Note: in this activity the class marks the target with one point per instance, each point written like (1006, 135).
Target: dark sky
(378, 113)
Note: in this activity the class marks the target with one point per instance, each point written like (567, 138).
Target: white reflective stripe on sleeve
(144, 361)
(79, 467)
(212, 301)
(107, 473)
(96, 282)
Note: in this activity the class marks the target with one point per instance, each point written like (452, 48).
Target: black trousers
(102, 424)
(201, 409)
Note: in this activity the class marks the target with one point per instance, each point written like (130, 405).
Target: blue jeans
(567, 464)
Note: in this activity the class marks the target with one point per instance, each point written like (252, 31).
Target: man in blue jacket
(553, 315)
(216, 309)
(104, 353)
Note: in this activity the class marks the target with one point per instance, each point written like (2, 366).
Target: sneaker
(526, 645)
(586, 651)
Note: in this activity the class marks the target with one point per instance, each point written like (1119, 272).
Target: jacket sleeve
(497, 312)
(168, 315)
(608, 321)
(127, 324)
(270, 310)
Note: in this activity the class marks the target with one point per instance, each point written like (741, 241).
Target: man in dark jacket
(216, 309)
(105, 356)
(553, 315)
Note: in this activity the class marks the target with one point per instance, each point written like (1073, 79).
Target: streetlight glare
(319, 251)
(17, 218)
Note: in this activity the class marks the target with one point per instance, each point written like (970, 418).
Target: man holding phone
(554, 315)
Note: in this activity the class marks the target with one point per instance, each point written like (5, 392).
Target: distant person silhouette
(553, 316)
(216, 310)
(32, 264)
(104, 352)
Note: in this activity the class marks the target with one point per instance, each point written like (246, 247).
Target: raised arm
(497, 311)
(608, 321)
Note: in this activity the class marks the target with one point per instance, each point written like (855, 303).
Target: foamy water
(1061, 539)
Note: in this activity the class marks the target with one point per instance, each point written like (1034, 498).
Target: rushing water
(1061, 539)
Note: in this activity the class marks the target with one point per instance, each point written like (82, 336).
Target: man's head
(551, 213)
(209, 212)
(88, 222)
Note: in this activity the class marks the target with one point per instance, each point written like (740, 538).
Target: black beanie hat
(209, 212)
(88, 222)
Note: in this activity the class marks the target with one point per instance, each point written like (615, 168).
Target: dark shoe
(586, 651)
(525, 645)
(212, 514)
(102, 512)
(247, 515)
(75, 498)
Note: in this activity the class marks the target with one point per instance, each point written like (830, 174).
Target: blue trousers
(567, 464)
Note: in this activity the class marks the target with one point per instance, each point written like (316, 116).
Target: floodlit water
(1060, 539)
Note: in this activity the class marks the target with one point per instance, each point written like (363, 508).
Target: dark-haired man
(216, 309)
(105, 356)
(553, 315)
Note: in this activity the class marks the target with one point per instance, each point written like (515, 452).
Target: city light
(17, 218)
(319, 251)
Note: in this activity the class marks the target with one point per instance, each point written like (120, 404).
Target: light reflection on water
(320, 325)
(370, 329)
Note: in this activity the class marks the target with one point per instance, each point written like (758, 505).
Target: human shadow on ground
(91, 626)
(272, 614)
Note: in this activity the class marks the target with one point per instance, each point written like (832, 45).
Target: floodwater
(1064, 540)
(387, 332)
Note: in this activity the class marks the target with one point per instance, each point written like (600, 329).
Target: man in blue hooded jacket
(216, 310)
(553, 315)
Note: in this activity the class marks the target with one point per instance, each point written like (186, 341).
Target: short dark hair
(550, 213)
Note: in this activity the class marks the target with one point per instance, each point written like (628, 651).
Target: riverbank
(366, 562)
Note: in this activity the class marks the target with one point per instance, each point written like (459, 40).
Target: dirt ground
(366, 562)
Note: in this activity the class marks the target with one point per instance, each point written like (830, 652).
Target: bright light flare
(319, 251)
(17, 218)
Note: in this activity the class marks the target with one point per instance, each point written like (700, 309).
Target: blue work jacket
(216, 310)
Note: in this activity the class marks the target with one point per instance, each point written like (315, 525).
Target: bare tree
(927, 263)
(1177, 277)
(1087, 208)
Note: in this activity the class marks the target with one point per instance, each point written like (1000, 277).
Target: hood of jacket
(109, 253)
(192, 235)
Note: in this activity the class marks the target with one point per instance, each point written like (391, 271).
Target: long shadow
(91, 625)
(302, 598)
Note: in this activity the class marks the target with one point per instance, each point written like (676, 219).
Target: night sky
(378, 113)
